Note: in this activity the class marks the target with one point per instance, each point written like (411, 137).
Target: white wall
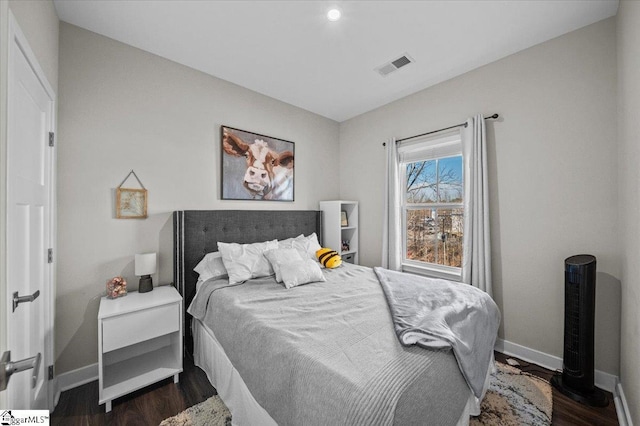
(553, 176)
(629, 198)
(122, 109)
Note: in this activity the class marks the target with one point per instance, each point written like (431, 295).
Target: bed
(324, 353)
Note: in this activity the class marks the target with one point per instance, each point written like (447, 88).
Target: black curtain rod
(494, 116)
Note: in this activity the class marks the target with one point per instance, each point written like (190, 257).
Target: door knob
(21, 299)
(7, 368)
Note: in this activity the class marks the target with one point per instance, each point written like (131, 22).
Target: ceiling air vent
(386, 69)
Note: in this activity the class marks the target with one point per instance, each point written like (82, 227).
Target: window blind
(427, 148)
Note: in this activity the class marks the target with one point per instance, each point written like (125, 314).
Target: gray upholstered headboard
(197, 232)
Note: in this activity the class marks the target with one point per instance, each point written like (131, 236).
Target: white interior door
(29, 224)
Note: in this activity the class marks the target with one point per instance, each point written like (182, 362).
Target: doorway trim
(4, 67)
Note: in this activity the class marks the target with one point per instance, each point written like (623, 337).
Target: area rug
(514, 398)
(211, 412)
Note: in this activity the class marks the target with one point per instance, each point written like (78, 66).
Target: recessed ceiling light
(334, 14)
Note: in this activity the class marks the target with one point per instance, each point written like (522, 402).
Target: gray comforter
(326, 353)
(432, 313)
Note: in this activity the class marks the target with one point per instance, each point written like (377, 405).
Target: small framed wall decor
(131, 203)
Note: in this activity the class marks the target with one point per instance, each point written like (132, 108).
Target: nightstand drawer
(135, 327)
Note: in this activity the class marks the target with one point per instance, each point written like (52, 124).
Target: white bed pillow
(307, 246)
(280, 256)
(211, 266)
(288, 243)
(300, 272)
(246, 261)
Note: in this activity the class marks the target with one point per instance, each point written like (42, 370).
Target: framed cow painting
(255, 166)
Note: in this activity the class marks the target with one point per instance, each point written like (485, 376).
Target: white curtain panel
(476, 253)
(391, 234)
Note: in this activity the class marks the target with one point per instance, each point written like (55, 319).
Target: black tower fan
(576, 380)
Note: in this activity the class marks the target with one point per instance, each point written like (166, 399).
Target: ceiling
(290, 51)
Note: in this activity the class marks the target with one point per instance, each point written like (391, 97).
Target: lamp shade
(145, 264)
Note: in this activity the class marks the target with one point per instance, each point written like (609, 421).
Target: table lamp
(145, 266)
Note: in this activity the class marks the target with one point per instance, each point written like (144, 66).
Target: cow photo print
(256, 167)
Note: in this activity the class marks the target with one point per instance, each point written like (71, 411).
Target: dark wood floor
(565, 410)
(148, 406)
(153, 404)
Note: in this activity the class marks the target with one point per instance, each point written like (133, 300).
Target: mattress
(324, 353)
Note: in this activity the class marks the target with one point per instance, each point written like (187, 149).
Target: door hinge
(51, 372)
(50, 255)
(51, 138)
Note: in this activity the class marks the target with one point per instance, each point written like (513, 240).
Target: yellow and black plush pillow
(329, 258)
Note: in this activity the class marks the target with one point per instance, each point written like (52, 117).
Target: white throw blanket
(434, 313)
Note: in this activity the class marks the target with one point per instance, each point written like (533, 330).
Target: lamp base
(146, 284)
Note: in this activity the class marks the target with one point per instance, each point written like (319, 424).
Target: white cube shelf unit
(333, 231)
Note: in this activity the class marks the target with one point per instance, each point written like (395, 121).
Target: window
(432, 205)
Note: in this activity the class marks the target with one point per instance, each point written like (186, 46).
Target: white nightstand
(139, 341)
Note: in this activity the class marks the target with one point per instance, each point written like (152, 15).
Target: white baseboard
(622, 408)
(602, 379)
(74, 378)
